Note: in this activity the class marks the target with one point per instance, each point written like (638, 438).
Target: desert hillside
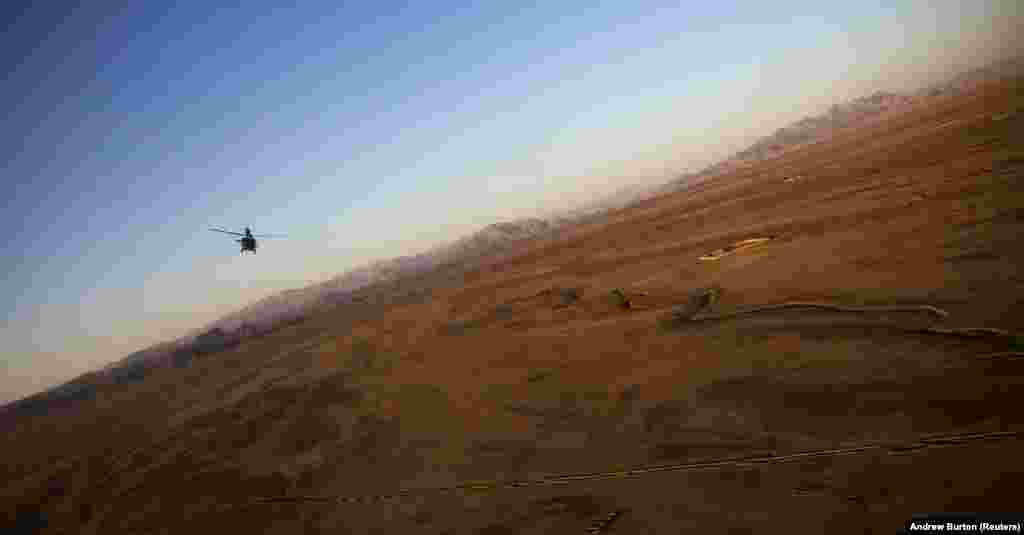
(496, 240)
(832, 352)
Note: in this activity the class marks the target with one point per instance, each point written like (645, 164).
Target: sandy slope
(532, 367)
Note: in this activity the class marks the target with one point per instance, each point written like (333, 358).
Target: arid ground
(602, 352)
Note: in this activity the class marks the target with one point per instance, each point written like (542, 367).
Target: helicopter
(247, 239)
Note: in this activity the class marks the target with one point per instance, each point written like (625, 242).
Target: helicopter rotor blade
(227, 232)
(269, 236)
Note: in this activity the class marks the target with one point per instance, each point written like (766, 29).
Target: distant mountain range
(287, 307)
(617, 200)
(967, 81)
(811, 129)
(819, 127)
(803, 132)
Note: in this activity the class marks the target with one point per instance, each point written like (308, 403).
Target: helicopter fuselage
(248, 243)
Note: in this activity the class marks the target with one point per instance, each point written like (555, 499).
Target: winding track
(930, 441)
(695, 317)
(798, 305)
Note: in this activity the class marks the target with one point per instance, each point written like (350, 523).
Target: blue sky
(372, 129)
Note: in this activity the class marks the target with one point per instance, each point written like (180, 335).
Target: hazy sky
(373, 129)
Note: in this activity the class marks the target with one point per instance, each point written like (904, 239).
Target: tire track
(681, 317)
(812, 305)
(1003, 355)
(925, 442)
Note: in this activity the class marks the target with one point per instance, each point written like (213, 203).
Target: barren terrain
(617, 353)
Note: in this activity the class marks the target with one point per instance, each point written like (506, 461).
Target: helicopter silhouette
(247, 239)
